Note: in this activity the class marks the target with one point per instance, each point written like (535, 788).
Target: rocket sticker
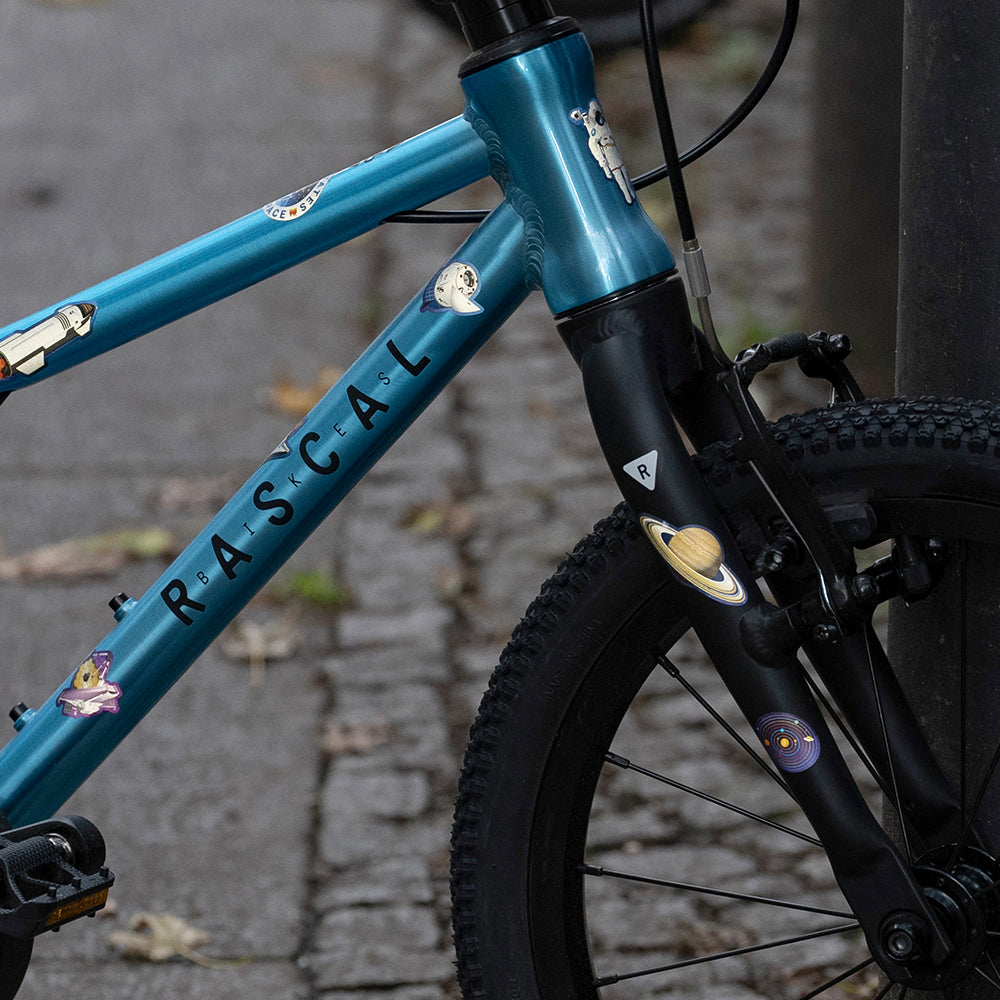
(24, 352)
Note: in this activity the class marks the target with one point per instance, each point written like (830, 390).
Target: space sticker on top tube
(91, 692)
(603, 147)
(695, 555)
(24, 352)
(296, 204)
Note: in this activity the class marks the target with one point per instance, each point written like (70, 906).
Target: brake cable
(738, 116)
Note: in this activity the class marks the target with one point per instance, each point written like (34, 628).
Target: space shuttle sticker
(25, 351)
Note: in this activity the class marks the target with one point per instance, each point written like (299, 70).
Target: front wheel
(618, 831)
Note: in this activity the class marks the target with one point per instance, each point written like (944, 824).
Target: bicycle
(790, 503)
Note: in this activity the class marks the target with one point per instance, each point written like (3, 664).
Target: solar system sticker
(792, 744)
(696, 556)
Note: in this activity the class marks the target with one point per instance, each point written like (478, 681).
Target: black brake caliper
(50, 873)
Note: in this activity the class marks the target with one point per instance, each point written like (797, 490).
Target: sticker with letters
(295, 204)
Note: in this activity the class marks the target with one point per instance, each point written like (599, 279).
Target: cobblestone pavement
(300, 813)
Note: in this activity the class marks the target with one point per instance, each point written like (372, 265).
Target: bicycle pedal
(50, 873)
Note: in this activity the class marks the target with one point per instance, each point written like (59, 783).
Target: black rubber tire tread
(934, 447)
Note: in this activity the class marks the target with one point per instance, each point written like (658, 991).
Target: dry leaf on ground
(88, 558)
(156, 937)
(355, 737)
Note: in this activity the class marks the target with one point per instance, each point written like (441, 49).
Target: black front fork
(618, 345)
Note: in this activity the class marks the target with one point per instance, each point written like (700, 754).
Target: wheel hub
(965, 895)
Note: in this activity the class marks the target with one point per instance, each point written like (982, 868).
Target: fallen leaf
(295, 400)
(180, 494)
(354, 737)
(451, 518)
(256, 643)
(88, 558)
(156, 937)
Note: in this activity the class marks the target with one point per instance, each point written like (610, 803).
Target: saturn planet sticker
(695, 555)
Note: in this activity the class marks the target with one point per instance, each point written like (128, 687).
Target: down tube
(316, 465)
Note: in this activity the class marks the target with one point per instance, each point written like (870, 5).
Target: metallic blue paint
(207, 269)
(564, 225)
(588, 240)
(52, 754)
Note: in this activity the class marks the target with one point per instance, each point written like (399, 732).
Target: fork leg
(636, 430)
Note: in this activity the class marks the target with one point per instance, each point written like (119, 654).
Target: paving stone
(403, 879)
(420, 628)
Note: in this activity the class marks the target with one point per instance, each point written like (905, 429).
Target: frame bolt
(21, 715)
(865, 589)
(824, 633)
(121, 605)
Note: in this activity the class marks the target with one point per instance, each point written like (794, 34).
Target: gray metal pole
(949, 344)
(854, 208)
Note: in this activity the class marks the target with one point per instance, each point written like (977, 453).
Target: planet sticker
(696, 556)
(792, 744)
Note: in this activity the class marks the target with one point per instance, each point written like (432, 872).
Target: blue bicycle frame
(587, 239)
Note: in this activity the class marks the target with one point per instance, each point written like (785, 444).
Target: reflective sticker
(453, 289)
(792, 744)
(643, 469)
(295, 204)
(696, 556)
(91, 692)
(603, 148)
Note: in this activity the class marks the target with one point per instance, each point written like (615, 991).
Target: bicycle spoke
(974, 811)
(598, 871)
(719, 956)
(993, 966)
(674, 671)
(992, 982)
(839, 979)
(896, 799)
(882, 993)
(625, 764)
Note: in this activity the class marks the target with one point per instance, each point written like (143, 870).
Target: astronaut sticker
(295, 204)
(91, 692)
(453, 289)
(603, 148)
